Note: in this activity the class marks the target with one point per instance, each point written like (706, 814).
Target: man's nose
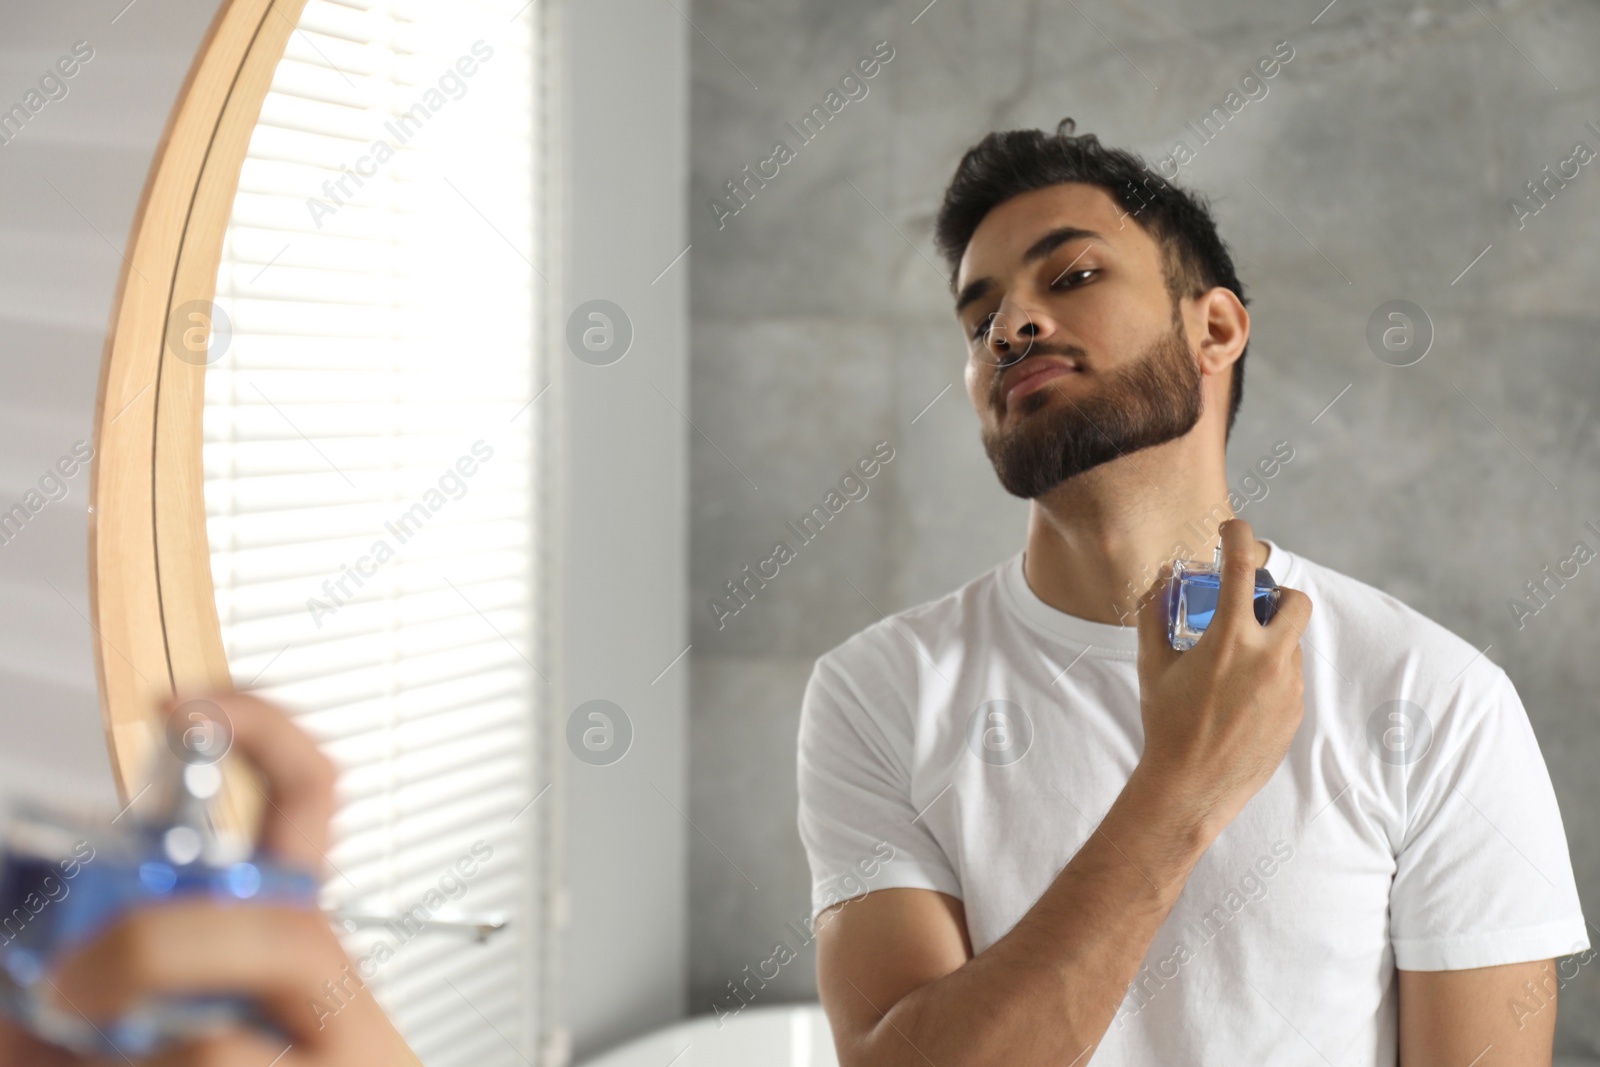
(1011, 334)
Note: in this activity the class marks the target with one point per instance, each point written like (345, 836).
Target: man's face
(1077, 353)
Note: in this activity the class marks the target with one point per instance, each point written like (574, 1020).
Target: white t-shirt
(971, 744)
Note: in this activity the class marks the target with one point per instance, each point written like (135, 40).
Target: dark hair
(1011, 162)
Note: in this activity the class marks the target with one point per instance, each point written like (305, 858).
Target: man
(1038, 836)
(279, 956)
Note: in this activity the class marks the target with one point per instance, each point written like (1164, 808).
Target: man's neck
(1097, 541)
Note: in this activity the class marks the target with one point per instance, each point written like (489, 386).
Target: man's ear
(1224, 329)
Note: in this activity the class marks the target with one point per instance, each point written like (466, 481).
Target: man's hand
(278, 956)
(1219, 717)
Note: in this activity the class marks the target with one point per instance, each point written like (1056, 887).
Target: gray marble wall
(1379, 166)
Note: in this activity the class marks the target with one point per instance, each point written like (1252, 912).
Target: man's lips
(1034, 374)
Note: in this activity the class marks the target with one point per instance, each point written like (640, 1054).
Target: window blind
(372, 485)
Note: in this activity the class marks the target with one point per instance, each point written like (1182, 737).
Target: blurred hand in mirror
(279, 956)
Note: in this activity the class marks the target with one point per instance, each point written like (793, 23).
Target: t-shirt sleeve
(1482, 876)
(858, 823)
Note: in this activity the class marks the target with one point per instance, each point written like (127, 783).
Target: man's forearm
(1046, 991)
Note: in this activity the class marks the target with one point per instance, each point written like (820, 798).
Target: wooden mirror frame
(152, 603)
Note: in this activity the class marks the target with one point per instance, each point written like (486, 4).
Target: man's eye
(1072, 274)
(982, 326)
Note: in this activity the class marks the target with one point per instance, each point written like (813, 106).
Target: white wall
(69, 185)
(627, 474)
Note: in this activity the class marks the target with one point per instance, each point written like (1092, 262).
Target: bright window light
(372, 484)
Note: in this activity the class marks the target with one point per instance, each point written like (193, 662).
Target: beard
(1154, 400)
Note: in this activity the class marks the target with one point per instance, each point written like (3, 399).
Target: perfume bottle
(1192, 598)
(64, 878)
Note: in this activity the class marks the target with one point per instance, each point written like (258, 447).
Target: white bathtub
(782, 1036)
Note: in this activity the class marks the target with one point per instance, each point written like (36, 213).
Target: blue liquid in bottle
(1194, 592)
(1202, 591)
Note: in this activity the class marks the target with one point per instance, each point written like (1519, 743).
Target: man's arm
(1451, 1018)
(895, 969)
(898, 980)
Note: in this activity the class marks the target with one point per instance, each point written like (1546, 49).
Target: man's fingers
(300, 779)
(229, 1050)
(278, 956)
(1236, 598)
(18, 1047)
(1294, 612)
